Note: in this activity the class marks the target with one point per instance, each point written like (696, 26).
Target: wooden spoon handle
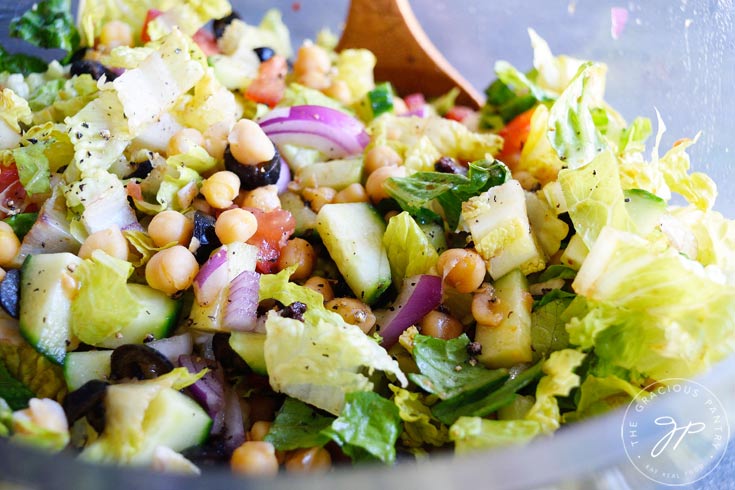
(406, 56)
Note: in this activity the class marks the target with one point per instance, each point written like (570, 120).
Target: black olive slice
(87, 401)
(220, 25)
(254, 176)
(204, 233)
(264, 53)
(93, 68)
(10, 292)
(138, 361)
(142, 170)
(230, 361)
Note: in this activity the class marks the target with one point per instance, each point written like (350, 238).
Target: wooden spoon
(406, 56)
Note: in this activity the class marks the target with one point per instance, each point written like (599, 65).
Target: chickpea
(311, 58)
(441, 326)
(249, 144)
(462, 269)
(259, 430)
(317, 197)
(264, 198)
(352, 193)
(340, 91)
(2, 274)
(111, 241)
(215, 139)
(375, 181)
(255, 458)
(390, 214)
(298, 251)
(184, 140)
(170, 226)
(314, 459)
(116, 33)
(171, 270)
(220, 189)
(353, 311)
(9, 244)
(235, 225)
(321, 286)
(381, 156)
(315, 80)
(486, 307)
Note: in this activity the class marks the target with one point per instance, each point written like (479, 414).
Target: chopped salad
(215, 249)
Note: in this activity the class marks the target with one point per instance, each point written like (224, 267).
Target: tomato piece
(415, 102)
(206, 41)
(13, 198)
(459, 113)
(149, 16)
(274, 229)
(515, 134)
(133, 189)
(270, 84)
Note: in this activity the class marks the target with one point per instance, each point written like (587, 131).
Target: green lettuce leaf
(650, 309)
(595, 198)
(104, 304)
(420, 427)
(49, 24)
(296, 94)
(355, 68)
(367, 428)
(21, 223)
(175, 177)
(20, 63)
(548, 327)
(71, 98)
(599, 395)
(33, 168)
(571, 127)
(298, 425)
(483, 402)
(408, 248)
(472, 434)
(560, 379)
(447, 369)
(450, 190)
(697, 188)
(414, 138)
(210, 104)
(12, 391)
(53, 138)
(188, 15)
(36, 373)
(633, 138)
(45, 94)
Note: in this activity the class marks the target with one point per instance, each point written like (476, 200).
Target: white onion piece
(173, 347)
(419, 295)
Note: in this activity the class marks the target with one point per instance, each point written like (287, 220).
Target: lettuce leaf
(298, 425)
(14, 110)
(446, 367)
(419, 425)
(20, 63)
(449, 190)
(598, 395)
(210, 104)
(296, 94)
(548, 332)
(12, 391)
(560, 379)
(54, 140)
(651, 310)
(104, 304)
(472, 434)
(595, 198)
(188, 15)
(33, 168)
(368, 427)
(408, 248)
(240, 37)
(167, 73)
(355, 68)
(433, 135)
(697, 188)
(71, 98)
(36, 373)
(49, 24)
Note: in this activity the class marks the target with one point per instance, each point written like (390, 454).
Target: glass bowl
(677, 57)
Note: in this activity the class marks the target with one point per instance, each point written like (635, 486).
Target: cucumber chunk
(80, 367)
(251, 347)
(353, 235)
(508, 343)
(336, 174)
(46, 290)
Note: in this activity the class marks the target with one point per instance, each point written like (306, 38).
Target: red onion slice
(209, 391)
(330, 131)
(241, 310)
(284, 178)
(234, 425)
(212, 277)
(419, 295)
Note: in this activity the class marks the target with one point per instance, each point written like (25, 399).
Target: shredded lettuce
(472, 434)
(420, 427)
(33, 168)
(408, 248)
(697, 188)
(104, 304)
(20, 63)
(321, 359)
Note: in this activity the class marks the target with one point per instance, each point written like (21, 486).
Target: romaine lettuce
(298, 425)
(408, 248)
(472, 434)
(420, 427)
